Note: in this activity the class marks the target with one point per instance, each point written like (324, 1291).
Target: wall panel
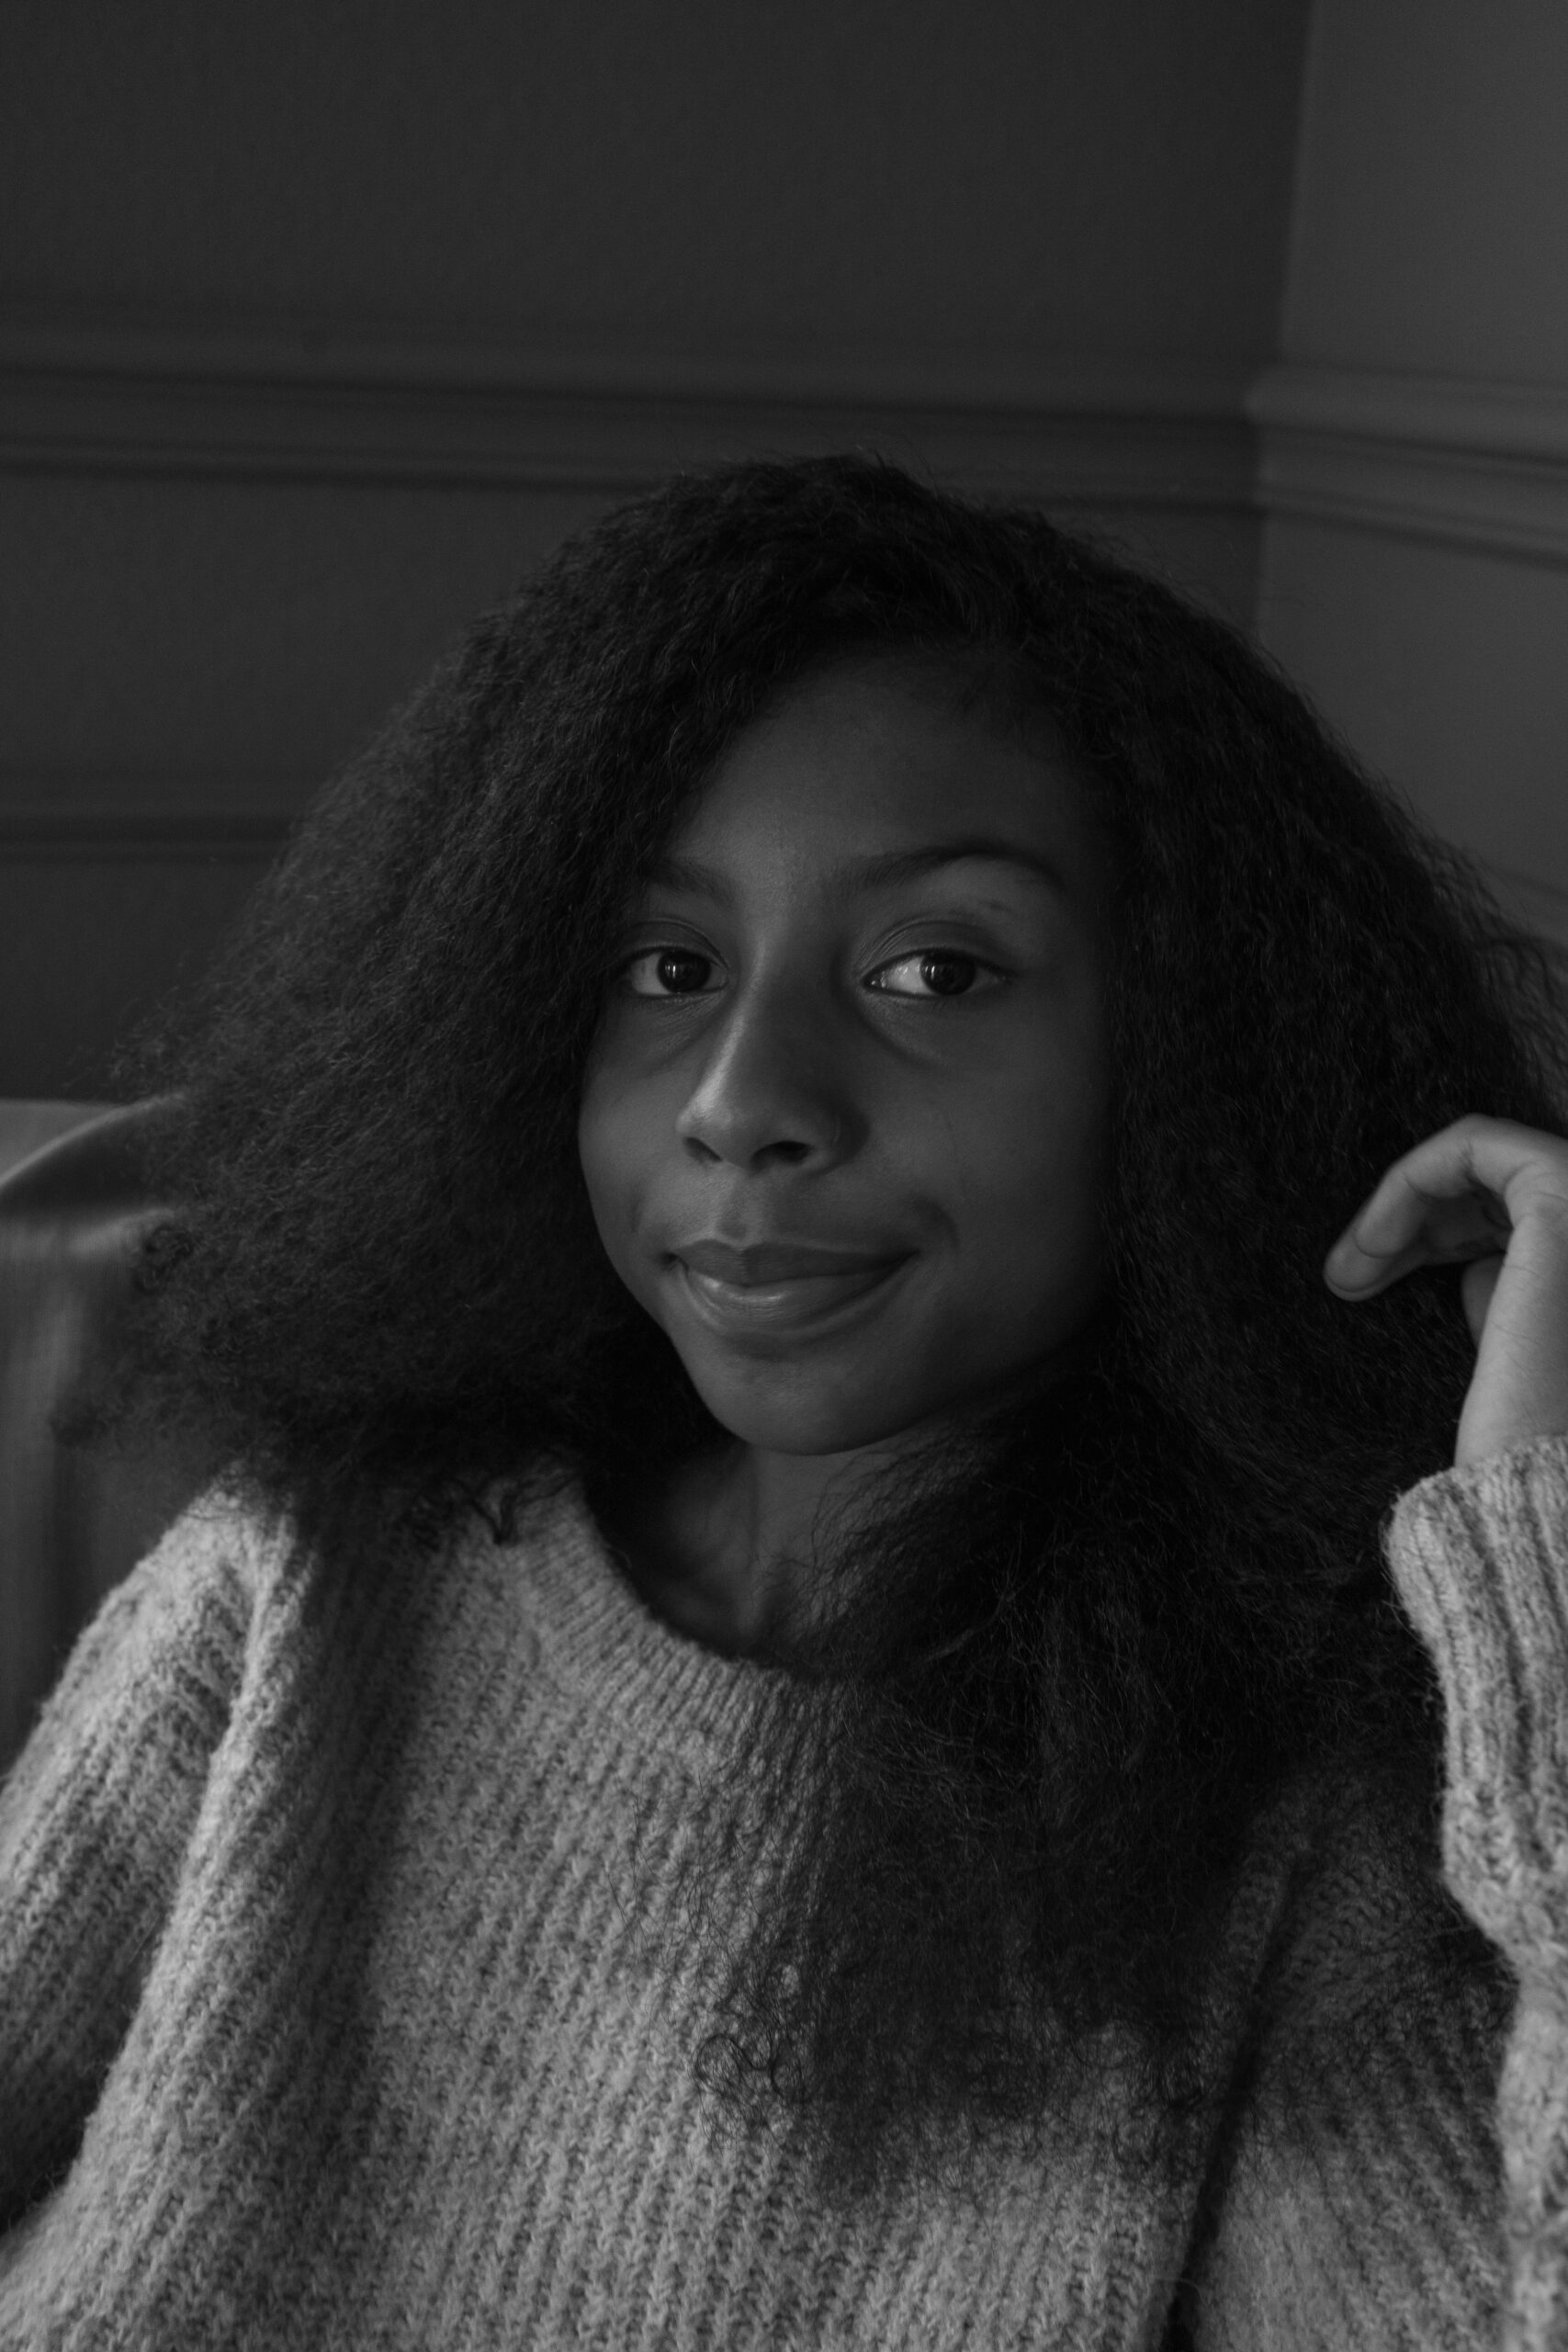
(230, 557)
(317, 327)
(1414, 469)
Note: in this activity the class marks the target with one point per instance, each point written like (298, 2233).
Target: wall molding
(170, 831)
(133, 399)
(1466, 464)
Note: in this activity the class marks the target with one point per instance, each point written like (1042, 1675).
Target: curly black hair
(1114, 1619)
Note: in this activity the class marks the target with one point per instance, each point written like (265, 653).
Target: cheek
(609, 1131)
(590, 1148)
(1033, 1242)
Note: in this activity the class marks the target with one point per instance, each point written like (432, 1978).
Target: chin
(806, 1424)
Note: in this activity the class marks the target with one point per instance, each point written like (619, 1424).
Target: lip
(800, 1303)
(767, 1263)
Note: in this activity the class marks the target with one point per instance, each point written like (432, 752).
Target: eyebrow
(871, 873)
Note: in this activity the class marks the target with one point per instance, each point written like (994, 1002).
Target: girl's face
(860, 1010)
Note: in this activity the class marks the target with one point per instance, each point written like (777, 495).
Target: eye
(946, 971)
(675, 972)
(667, 962)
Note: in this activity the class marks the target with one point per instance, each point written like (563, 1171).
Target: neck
(722, 1545)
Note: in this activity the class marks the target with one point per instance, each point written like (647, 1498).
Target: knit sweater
(325, 2020)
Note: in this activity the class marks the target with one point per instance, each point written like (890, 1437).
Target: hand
(1493, 1197)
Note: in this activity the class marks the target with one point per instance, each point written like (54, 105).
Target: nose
(772, 1087)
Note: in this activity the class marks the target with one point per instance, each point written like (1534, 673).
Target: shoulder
(1354, 2193)
(1372, 1958)
(159, 1664)
(208, 1571)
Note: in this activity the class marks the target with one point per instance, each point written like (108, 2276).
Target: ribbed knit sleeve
(94, 1817)
(1398, 2172)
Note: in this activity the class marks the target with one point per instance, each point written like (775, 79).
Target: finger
(1459, 1176)
(1456, 1194)
(1449, 1233)
(1476, 1285)
(1444, 1237)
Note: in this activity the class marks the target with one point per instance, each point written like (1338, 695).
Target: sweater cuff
(1479, 1556)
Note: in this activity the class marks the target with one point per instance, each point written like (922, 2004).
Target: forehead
(866, 761)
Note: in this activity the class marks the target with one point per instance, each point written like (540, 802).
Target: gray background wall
(1414, 467)
(317, 327)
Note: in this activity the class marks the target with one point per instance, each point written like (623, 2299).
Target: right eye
(670, 965)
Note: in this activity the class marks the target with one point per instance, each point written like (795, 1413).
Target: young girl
(884, 1660)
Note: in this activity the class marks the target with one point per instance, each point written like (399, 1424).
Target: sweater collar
(602, 1640)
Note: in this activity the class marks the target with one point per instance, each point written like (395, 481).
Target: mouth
(800, 1303)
